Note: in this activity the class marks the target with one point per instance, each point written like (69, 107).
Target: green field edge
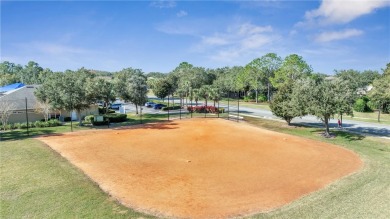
(360, 195)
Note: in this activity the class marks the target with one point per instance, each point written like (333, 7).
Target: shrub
(204, 109)
(115, 117)
(53, 122)
(170, 108)
(89, 119)
(99, 123)
(386, 108)
(102, 110)
(23, 125)
(248, 99)
(361, 105)
(17, 125)
(262, 98)
(39, 124)
(8, 127)
(112, 118)
(371, 105)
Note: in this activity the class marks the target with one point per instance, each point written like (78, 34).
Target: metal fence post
(168, 107)
(238, 110)
(28, 131)
(228, 111)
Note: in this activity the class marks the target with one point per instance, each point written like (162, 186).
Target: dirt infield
(204, 168)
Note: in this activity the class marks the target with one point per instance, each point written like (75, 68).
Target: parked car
(115, 106)
(100, 104)
(149, 104)
(159, 106)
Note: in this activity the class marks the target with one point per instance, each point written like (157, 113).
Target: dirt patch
(204, 168)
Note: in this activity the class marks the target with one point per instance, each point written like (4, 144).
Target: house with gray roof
(24, 104)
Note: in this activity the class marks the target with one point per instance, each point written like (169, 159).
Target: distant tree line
(289, 84)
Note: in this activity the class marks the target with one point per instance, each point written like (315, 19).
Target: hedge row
(103, 110)
(205, 109)
(36, 124)
(170, 108)
(112, 118)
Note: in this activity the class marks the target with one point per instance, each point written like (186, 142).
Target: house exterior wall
(18, 98)
(92, 110)
(20, 117)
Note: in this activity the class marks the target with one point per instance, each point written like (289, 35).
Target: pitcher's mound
(204, 168)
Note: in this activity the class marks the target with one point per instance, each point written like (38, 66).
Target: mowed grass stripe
(38, 183)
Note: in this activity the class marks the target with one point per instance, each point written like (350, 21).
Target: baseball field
(204, 168)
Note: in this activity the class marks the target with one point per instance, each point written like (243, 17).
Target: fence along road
(365, 128)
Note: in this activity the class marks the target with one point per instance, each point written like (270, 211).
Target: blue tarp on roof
(11, 87)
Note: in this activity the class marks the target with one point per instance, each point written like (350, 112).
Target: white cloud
(255, 41)
(225, 55)
(58, 49)
(182, 13)
(238, 40)
(163, 4)
(342, 11)
(248, 28)
(337, 35)
(215, 40)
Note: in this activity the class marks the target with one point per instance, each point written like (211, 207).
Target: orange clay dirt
(204, 168)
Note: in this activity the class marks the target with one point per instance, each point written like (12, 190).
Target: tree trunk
(214, 103)
(205, 101)
(136, 109)
(79, 115)
(326, 123)
(257, 97)
(173, 101)
(341, 117)
(288, 120)
(269, 88)
(106, 108)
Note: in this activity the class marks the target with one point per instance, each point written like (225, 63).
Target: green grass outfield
(36, 182)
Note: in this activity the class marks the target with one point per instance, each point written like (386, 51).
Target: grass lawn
(369, 117)
(37, 182)
(247, 104)
(362, 195)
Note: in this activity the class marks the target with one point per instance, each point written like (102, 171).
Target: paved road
(374, 129)
(367, 128)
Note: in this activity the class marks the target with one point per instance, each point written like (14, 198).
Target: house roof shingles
(18, 97)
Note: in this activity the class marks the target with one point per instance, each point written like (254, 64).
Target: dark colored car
(159, 106)
(149, 104)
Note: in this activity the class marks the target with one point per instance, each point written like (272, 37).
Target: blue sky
(158, 35)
